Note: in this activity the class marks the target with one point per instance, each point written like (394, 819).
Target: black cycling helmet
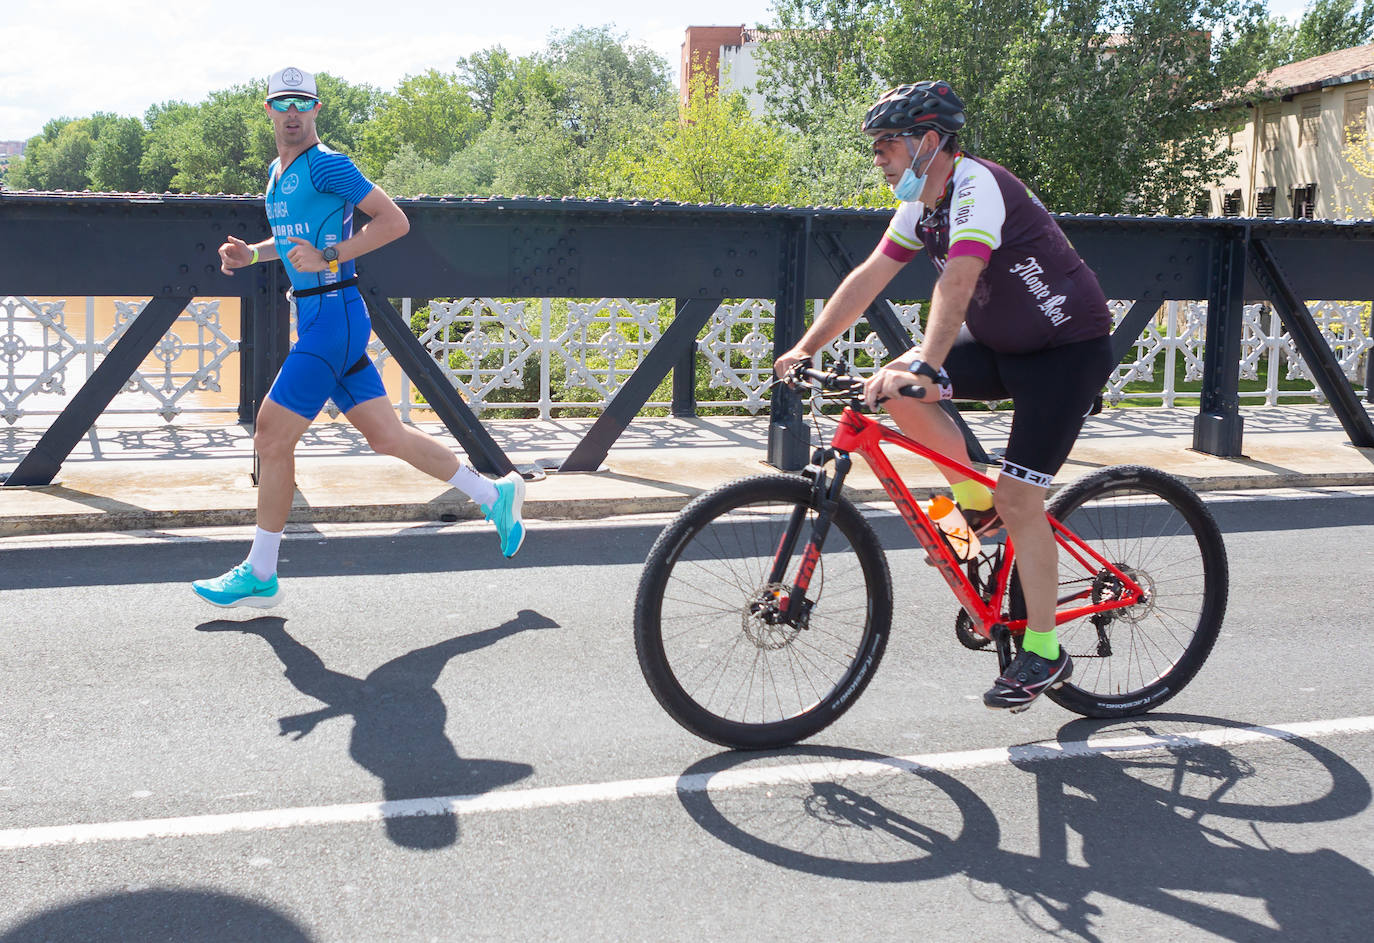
(924, 105)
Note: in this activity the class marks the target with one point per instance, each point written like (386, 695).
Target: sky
(70, 58)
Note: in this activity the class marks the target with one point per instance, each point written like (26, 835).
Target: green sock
(1044, 644)
(971, 494)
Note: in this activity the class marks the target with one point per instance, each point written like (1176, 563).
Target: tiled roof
(1333, 68)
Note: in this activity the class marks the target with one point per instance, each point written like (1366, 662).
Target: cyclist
(311, 195)
(1016, 314)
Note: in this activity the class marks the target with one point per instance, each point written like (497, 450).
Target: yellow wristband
(254, 260)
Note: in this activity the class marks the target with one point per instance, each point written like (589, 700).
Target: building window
(1309, 124)
(1304, 201)
(1356, 115)
(1202, 204)
(1264, 202)
(1269, 129)
(1231, 203)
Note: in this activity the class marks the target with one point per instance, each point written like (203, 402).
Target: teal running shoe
(504, 512)
(239, 587)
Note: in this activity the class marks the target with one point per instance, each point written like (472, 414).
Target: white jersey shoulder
(977, 210)
(902, 229)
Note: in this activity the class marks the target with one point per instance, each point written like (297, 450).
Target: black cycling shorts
(1052, 391)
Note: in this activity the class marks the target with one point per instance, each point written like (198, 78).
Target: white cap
(291, 82)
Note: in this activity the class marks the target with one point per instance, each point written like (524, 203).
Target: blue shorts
(329, 359)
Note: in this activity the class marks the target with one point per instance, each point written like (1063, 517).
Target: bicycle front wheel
(710, 641)
(1154, 529)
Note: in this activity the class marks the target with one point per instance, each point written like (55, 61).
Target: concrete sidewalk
(156, 477)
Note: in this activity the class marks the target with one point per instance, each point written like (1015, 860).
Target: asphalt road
(174, 772)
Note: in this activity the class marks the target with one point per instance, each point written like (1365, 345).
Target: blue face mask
(909, 186)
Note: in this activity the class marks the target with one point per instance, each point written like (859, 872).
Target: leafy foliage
(1103, 105)
(1093, 101)
(715, 151)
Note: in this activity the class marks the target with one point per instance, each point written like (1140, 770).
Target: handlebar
(836, 381)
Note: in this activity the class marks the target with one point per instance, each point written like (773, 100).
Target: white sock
(476, 487)
(263, 556)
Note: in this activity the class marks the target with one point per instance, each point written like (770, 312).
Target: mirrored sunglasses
(302, 104)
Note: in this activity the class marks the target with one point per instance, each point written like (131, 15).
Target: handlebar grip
(915, 392)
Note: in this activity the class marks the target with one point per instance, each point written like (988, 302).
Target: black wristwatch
(331, 255)
(922, 369)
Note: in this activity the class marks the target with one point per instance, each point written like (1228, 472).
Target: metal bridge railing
(739, 282)
(577, 354)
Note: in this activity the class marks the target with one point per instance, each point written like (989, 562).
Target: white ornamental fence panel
(542, 356)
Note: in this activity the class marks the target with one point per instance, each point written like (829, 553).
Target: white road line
(660, 786)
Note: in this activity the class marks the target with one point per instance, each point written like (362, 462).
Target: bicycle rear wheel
(707, 632)
(1152, 527)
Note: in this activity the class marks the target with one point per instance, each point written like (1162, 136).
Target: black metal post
(1217, 429)
(1369, 365)
(680, 337)
(44, 461)
(789, 441)
(685, 375)
(393, 331)
(1320, 359)
(265, 339)
(1131, 327)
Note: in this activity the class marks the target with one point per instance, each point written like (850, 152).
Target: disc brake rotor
(770, 634)
(1108, 587)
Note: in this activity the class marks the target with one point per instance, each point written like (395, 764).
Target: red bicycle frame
(866, 436)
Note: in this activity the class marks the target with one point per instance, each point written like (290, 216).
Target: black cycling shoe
(1026, 678)
(986, 525)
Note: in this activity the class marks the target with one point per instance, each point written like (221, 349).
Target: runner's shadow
(398, 721)
(1191, 832)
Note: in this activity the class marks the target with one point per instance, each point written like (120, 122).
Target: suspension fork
(825, 493)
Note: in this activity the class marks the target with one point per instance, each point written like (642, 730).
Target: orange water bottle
(944, 513)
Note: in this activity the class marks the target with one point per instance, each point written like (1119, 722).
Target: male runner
(1015, 314)
(311, 194)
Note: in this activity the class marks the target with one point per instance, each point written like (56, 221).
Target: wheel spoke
(1158, 533)
(713, 645)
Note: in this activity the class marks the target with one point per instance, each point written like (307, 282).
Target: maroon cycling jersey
(1035, 292)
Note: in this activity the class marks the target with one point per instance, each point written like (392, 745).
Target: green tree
(1095, 103)
(714, 152)
(1330, 25)
(59, 158)
(433, 114)
(346, 111)
(467, 173)
(224, 144)
(26, 172)
(489, 75)
(157, 166)
(117, 155)
(820, 55)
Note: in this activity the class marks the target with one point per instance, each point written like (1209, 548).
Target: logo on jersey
(964, 205)
(289, 184)
(1051, 305)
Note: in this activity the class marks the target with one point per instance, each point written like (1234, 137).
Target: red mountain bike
(764, 606)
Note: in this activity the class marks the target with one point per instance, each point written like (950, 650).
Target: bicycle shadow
(1157, 831)
(398, 720)
(158, 915)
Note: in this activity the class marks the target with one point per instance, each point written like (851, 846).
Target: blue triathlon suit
(313, 199)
